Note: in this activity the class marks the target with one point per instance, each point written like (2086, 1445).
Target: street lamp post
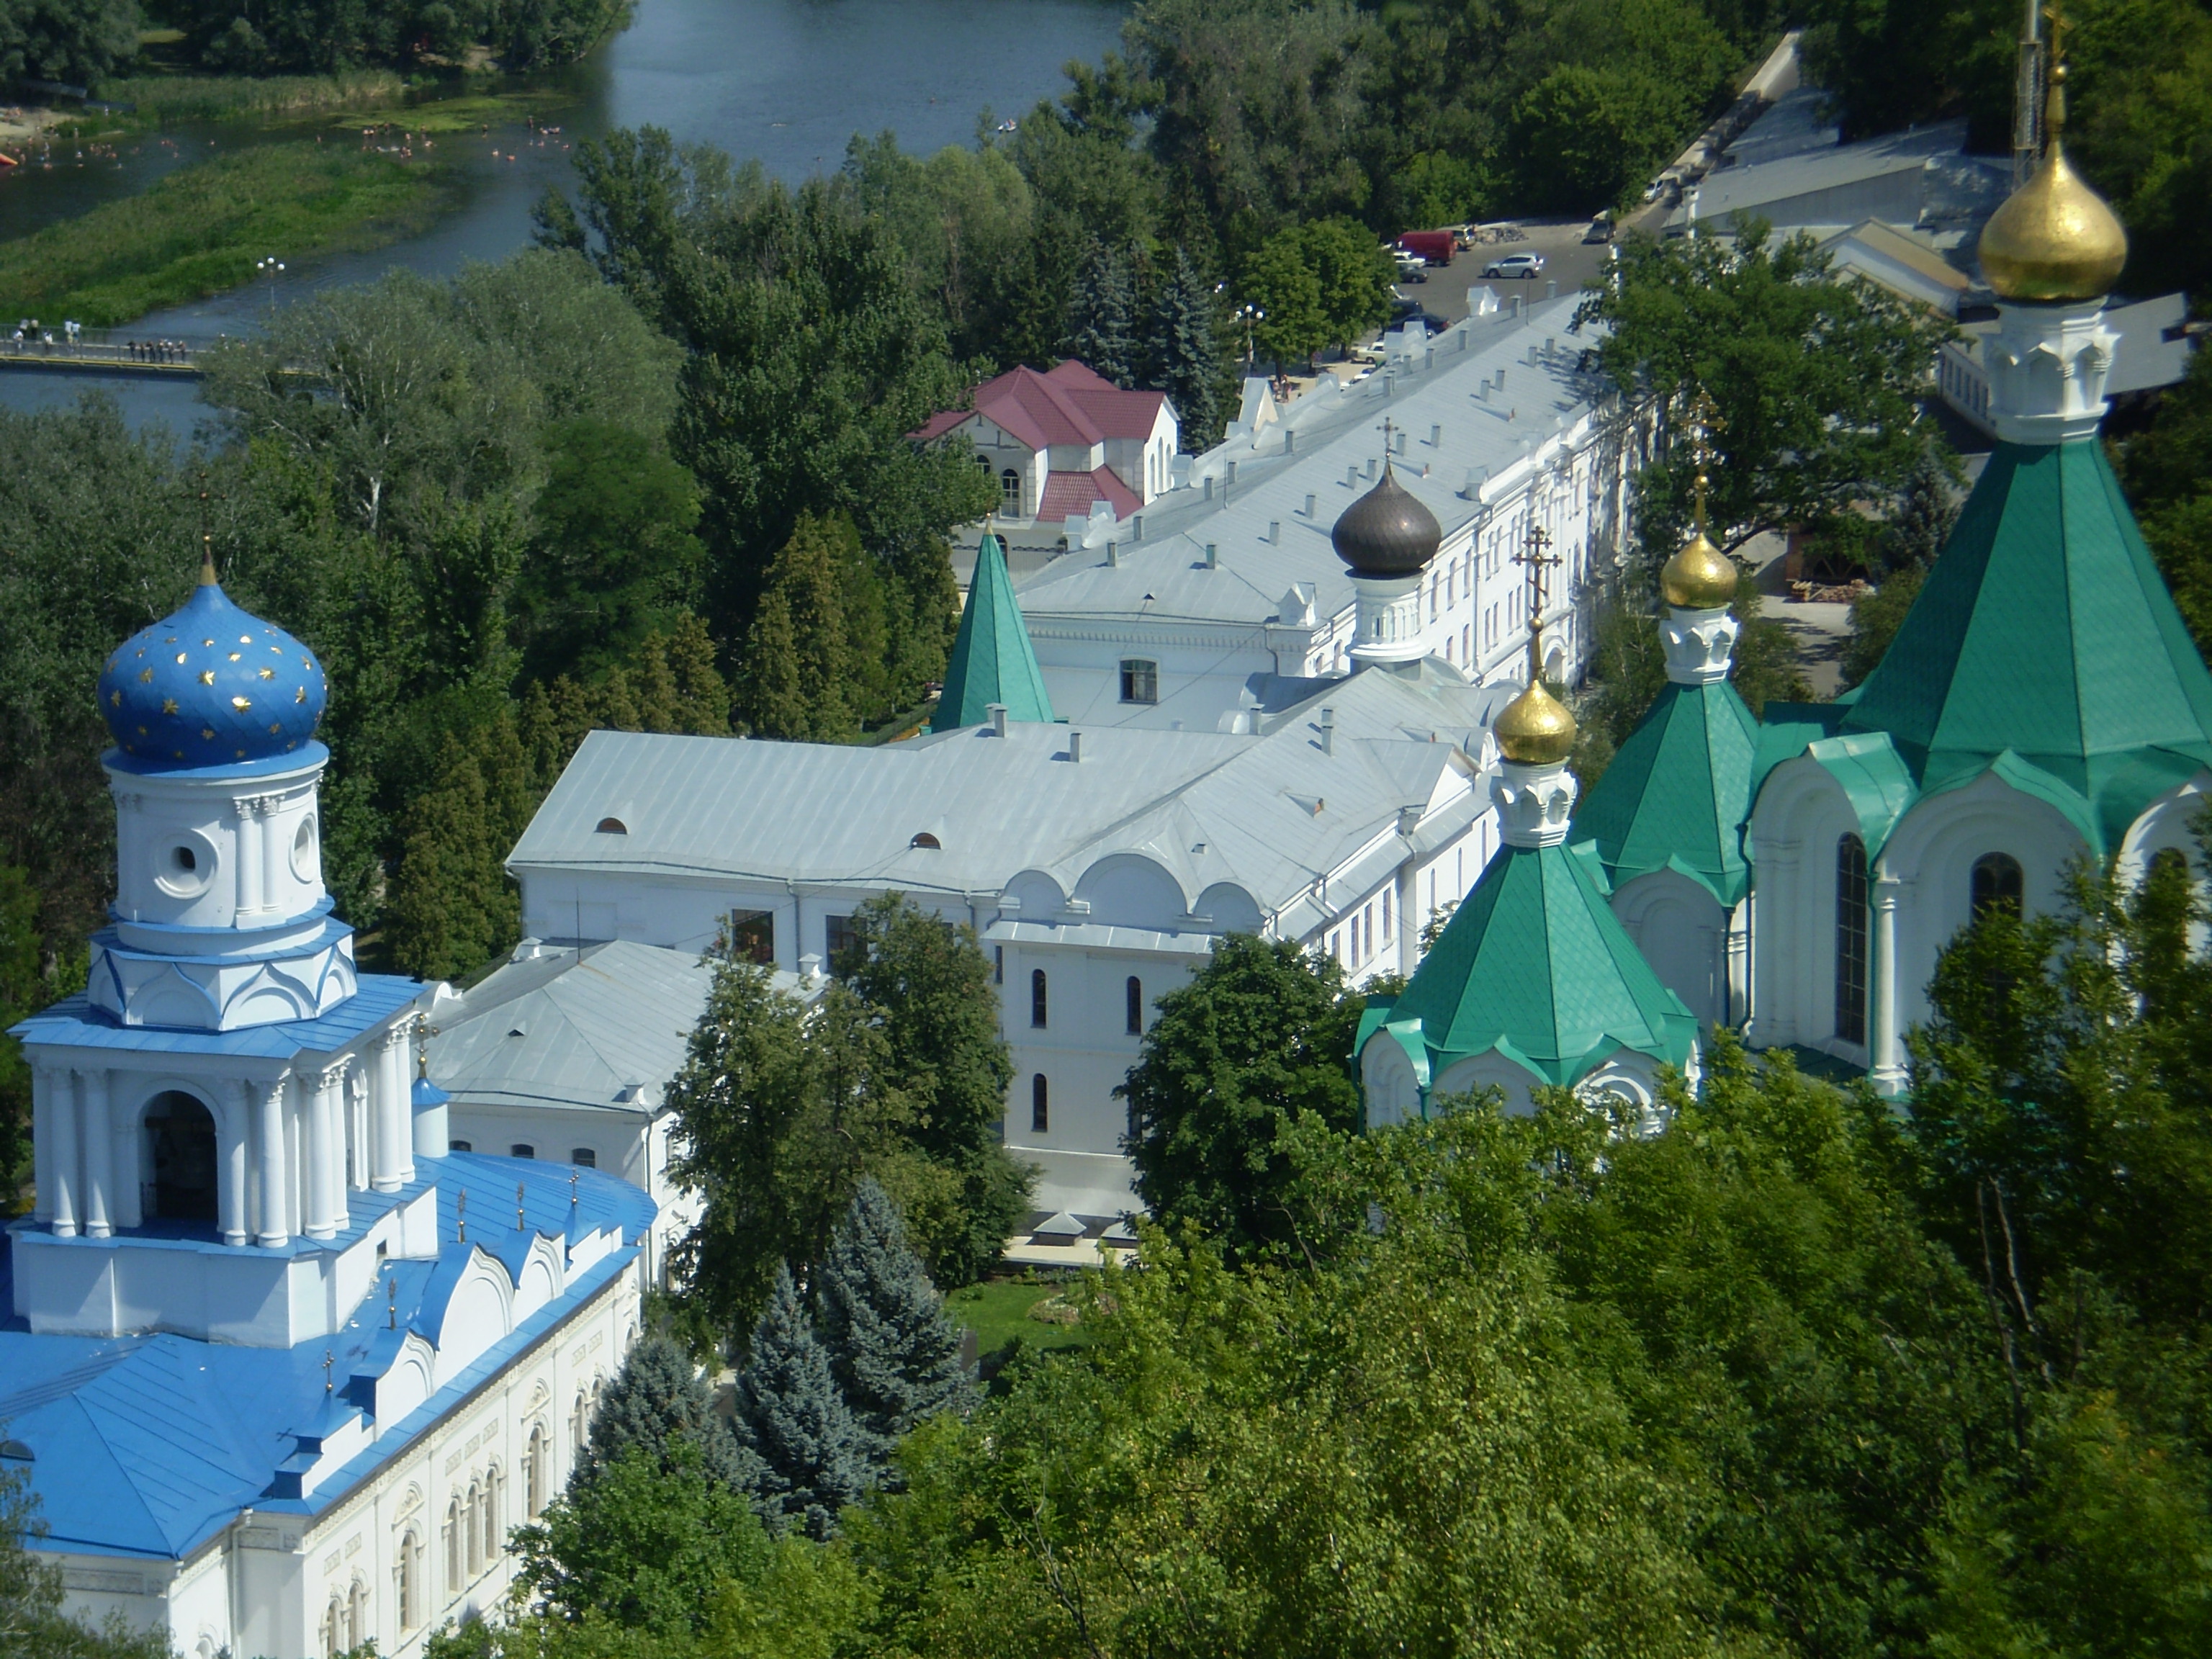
(1248, 315)
(272, 267)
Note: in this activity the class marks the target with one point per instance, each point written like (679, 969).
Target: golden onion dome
(1536, 728)
(1698, 578)
(2054, 238)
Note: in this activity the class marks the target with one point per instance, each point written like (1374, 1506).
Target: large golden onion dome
(1698, 578)
(1536, 728)
(2054, 239)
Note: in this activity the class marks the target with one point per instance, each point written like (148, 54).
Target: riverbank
(199, 231)
(159, 100)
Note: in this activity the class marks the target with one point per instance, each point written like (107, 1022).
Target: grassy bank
(200, 230)
(163, 99)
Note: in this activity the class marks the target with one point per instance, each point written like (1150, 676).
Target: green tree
(22, 990)
(798, 665)
(929, 984)
(1353, 274)
(1102, 322)
(895, 1355)
(1876, 619)
(1257, 1040)
(1926, 509)
(1283, 285)
(791, 1417)
(658, 1400)
(1816, 381)
(32, 1622)
(1184, 355)
(2167, 470)
(644, 1543)
(453, 907)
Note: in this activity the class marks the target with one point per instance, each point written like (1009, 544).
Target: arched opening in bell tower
(180, 1160)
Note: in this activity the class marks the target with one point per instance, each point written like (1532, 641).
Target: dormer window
(612, 827)
(924, 839)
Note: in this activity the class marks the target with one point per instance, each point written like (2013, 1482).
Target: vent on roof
(520, 1028)
(17, 1451)
(923, 838)
(612, 827)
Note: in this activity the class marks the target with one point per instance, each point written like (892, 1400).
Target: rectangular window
(998, 965)
(1140, 680)
(753, 937)
(1335, 954)
(584, 1158)
(1386, 935)
(459, 1146)
(837, 942)
(1040, 1106)
(1367, 930)
(1851, 940)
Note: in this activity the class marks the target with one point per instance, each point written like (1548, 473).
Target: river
(786, 81)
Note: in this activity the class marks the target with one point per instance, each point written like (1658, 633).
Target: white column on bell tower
(272, 1228)
(99, 1154)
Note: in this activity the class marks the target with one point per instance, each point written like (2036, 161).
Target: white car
(1515, 265)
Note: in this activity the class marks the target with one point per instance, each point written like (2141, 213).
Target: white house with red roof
(1061, 443)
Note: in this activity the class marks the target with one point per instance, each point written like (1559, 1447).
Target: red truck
(1435, 246)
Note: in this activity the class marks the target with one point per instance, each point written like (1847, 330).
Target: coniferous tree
(1184, 352)
(657, 1397)
(791, 1417)
(796, 655)
(1101, 324)
(1925, 512)
(894, 1355)
(454, 906)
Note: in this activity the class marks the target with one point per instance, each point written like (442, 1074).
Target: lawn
(199, 231)
(998, 1311)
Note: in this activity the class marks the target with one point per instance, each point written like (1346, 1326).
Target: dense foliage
(896, 1071)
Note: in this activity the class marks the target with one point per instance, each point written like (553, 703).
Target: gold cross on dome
(1536, 558)
(1703, 420)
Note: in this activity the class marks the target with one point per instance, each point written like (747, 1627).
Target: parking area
(1568, 260)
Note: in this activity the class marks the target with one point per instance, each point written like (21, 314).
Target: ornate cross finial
(1703, 420)
(392, 1303)
(1389, 427)
(461, 1212)
(2054, 96)
(329, 1359)
(572, 1188)
(207, 542)
(424, 1032)
(1536, 558)
(521, 1224)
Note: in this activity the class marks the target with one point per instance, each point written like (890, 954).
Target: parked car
(1411, 269)
(1515, 265)
(1600, 229)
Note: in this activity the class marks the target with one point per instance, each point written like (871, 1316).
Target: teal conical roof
(1534, 965)
(1676, 795)
(991, 659)
(2045, 629)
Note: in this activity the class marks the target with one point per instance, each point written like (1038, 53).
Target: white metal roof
(1271, 813)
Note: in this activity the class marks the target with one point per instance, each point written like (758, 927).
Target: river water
(787, 82)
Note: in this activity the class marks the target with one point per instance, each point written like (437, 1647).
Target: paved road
(1568, 261)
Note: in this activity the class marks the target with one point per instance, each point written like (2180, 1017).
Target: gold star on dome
(115, 699)
(268, 673)
(169, 705)
(207, 676)
(172, 640)
(142, 731)
(142, 650)
(180, 656)
(207, 641)
(245, 639)
(277, 649)
(207, 732)
(145, 676)
(274, 728)
(233, 656)
(301, 695)
(240, 703)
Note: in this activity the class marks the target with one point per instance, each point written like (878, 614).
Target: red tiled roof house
(1058, 442)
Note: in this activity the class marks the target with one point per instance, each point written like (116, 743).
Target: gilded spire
(2054, 240)
(1700, 577)
(207, 562)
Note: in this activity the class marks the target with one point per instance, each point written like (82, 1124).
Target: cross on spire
(1703, 420)
(1388, 428)
(520, 1226)
(329, 1359)
(1536, 558)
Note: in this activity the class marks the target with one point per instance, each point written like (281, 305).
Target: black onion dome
(1386, 533)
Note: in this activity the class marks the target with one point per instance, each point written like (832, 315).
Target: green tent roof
(1676, 795)
(2045, 637)
(992, 660)
(1533, 964)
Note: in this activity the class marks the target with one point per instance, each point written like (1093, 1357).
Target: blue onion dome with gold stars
(211, 685)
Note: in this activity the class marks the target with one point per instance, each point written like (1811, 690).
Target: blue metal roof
(147, 1445)
(76, 1023)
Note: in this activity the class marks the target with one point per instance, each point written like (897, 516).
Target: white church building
(279, 1367)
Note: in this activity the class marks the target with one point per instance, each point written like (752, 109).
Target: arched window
(583, 1158)
(522, 1149)
(1998, 885)
(1040, 1107)
(407, 1579)
(470, 1512)
(489, 1517)
(455, 1576)
(1851, 940)
(180, 1152)
(1010, 492)
(578, 1426)
(612, 827)
(1036, 998)
(331, 1636)
(1133, 994)
(357, 1630)
(533, 1473)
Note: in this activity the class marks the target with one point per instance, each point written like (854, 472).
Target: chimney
(1075, 746)
(1275, 531)
(1233, 472)
(1436, 434)
(1329, 730)
(1547, 347)
(1476, 477)
(1137, 528)
(1371, 467)
(1501, 380)
(1213, 556)
(997, 711)
(1114, 553)
(1309, 507)
(1290, 441)
(1532, 356)
(1351, 476)
(1209, 486)
(1401, 438)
